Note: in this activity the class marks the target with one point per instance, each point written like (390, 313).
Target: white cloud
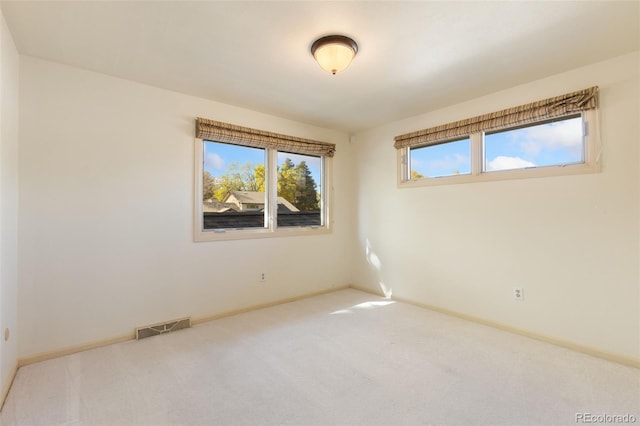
(552, 136)
(450, 162)
(213, 161)
(507, 163)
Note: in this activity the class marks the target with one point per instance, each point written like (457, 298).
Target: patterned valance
(237, 135)
(547, 109)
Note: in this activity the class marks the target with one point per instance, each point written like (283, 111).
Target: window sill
(536, 172)
(248, 234)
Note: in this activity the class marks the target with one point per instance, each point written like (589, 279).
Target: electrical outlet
(263, 277)
(518, 293)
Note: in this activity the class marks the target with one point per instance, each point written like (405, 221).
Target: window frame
(271, 206)
(592, 158)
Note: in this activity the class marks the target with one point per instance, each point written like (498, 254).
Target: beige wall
(8, 203)
(571, 242)
(106, 182)
(99, 155)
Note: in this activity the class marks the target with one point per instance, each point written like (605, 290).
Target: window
(552, 137)
(555, 143)
(299, 190)
(251, 184)
(233, 183)
(444, 159)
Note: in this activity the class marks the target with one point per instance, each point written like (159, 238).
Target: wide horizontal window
(555, 136)
(252, 184)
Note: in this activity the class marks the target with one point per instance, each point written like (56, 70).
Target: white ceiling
(414, 56)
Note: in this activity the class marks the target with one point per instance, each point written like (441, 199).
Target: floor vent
(162, 328)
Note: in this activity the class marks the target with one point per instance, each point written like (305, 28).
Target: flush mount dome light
(334, 52)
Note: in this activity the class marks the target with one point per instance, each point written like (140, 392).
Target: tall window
(251, 183)
(233, 186)
(299, 190)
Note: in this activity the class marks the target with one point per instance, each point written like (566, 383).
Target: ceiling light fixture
(334, 52)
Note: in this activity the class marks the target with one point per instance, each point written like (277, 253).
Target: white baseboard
(7, 386)
(131, 336)
(620, 359)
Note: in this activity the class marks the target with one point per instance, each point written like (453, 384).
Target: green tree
(236, 178)
(295, 183)
(248, 177)
(306, 189)
(259, 177)
(287, 181)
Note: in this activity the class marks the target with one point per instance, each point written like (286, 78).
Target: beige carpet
(344, 358)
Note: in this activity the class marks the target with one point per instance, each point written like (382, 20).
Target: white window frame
(271, 207)
(592, 160)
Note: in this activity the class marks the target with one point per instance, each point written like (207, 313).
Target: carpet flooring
(343, 358)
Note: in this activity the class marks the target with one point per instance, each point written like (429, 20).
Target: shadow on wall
(374, 261)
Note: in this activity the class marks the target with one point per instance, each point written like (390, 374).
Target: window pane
(549, 144)
(299, 190)
(445, 159)
(233, 186)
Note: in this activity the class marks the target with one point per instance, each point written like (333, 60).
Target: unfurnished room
(319, 213)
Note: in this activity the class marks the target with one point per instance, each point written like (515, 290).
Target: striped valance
(547, 109)
(237, 135)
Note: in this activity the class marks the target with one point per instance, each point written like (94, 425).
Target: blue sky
(559, 142)
(218, 157)
(443, 160)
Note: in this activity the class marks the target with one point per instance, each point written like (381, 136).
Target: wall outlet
(518, 293)
(263, 277)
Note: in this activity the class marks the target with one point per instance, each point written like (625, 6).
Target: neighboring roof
(247, 197)
(215, 206)
(288, 205)
(255, 219)
(256, 197)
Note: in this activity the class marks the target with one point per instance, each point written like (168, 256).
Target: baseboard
(620, 359)
(233, 312)
(7, 385)
(632, 362)
(369, 290)
(74, 349)
(106, 342)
